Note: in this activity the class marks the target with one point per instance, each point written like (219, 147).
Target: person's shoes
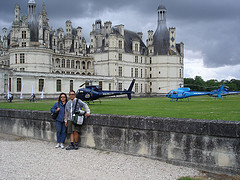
(57, 146)
(70, 147)
(76, 146)
(62, 146)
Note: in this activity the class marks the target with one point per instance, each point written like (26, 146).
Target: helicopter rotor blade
(82, 85)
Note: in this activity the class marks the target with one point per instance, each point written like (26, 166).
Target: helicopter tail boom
(129, 91)
(219, 92)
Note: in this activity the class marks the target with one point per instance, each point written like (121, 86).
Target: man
(74, 129)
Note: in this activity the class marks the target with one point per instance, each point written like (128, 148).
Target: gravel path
(33, 159)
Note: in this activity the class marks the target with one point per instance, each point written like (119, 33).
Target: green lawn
(203, 107)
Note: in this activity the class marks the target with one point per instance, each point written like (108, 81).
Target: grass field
(203, 107)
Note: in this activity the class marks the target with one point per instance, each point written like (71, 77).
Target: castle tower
(17, 15)
(32, 21)
(5, 40)
(161, 36)
(68, 28)
(98, 26)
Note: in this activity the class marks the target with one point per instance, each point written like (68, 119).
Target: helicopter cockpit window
(174, 92)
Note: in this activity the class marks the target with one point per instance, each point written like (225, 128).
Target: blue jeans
(61, 131)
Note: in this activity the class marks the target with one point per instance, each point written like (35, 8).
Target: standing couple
(64, 119)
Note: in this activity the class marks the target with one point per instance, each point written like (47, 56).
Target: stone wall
(207, 145)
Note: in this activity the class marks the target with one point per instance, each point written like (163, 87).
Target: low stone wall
(207, 145)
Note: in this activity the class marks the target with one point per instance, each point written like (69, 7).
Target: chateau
(34, 58)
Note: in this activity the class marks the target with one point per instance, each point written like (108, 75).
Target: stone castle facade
(36, 58)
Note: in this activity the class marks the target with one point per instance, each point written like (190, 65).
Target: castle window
(22, 69)
(120, 71)
(54, 42)
(136, 47)
(136, 72)
(131, 72)
(136, 87)
(83, 65)
(120, 86)
(120, 57)
(141, 88)
(24, 35)
(72, 64)
(40, 85)
(16, 58)
(71, 85)
(63, 63)
(100, 85)
(88, 65)
(109, 86)
(141, 73)
(180, 73)
(77, 65)
(22, 58)
(68, 63)
(136, 59)
(59, 85)
(24, 44)
(150, 60)
(120, 44)
(19, 84)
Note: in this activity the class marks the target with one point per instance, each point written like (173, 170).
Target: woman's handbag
(55, 115)
(78, 116)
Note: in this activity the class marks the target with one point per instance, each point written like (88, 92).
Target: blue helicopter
(225, 92)
(182, 93)
(91, 93)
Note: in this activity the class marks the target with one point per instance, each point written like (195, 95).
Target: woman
(60, 124)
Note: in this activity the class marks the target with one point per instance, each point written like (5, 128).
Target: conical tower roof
(161, 35)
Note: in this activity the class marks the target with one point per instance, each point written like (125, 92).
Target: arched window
(83, 65)
(72, 64)
(77, 65)
(57, 64)
(63, 63)
(89, 65)
(68, 63)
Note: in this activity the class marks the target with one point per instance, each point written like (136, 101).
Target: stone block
(97, 130)
(119, 121)
(155, 124)
(137, 122)
(197, 156)
(113, 145)
(198, 142)
(113, 133)
(210, 158)
(161, 138)
(226, 144)
(99, 119)
(223, 128)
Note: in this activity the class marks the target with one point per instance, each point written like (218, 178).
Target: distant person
(74, 129)
(60, 124)
(10, 98)
(32, 98)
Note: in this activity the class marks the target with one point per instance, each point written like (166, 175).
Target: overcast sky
(209, 29)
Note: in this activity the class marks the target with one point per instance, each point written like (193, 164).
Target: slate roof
(129, 36)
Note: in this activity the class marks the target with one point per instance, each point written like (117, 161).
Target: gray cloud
(210, 27)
